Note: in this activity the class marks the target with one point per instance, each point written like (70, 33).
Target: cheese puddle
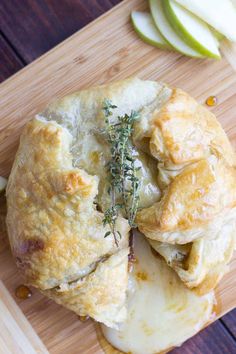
(162, 312)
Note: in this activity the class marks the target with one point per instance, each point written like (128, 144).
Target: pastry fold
(193, 224)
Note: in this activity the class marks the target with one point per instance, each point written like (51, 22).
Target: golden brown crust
(55, 231)
(89, 295)
(184, 131)
(194, 197)
(201, 264)
(197, 177)
(196, 171)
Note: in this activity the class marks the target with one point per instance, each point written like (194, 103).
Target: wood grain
(106, 50)
(229, 321)
(214, 339)
(42, 24)
(9, 63)
(16, 334)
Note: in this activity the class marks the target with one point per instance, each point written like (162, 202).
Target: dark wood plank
(215, 339)
(9, 62)
(35, 26)
(229, 322)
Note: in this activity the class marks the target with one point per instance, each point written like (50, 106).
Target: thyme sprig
(123, 180)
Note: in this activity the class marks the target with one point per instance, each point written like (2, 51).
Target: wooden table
(29, 28)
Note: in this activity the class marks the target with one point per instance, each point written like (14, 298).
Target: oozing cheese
(162, 312)
(92, 153)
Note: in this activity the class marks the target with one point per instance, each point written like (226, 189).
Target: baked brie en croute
(58, 194)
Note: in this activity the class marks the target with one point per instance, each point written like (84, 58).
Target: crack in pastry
(89, 294)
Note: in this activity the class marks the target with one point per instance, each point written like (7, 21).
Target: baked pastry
(196, 170)
(56, 196)
(202, 263)
(193, 224)
(58, 192)
(92, 294)
(55, 231)
(192, 204)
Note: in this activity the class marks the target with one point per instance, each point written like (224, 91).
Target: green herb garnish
(123, 180)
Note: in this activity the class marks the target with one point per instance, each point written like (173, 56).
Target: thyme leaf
(123, 180)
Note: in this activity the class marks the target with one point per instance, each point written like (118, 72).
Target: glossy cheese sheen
(162, 312)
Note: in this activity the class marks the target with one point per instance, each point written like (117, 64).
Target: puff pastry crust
(193, 224)
(196, 170)
(57, 193)
(191, 202)
(89, 295)
(57, 180)
(202, 263)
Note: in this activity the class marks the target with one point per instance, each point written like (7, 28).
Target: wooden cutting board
(106, 50)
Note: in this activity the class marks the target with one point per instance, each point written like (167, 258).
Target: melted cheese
(82, 116)
(162, 312)
(92, 153)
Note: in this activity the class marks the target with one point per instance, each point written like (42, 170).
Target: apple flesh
(220, 14)
(146, 29)
(171, 37)
(219, 36)
(191, 29)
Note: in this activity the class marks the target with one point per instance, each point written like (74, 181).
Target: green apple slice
(3, 183)
(220, 14)
(145, 27)
(219, 36)
(192, 29)
(168, 32)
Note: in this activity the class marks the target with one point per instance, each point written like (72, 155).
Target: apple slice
(192, 29)
(3, 183)
(146, 29)
(168, 32)
(219, 36)
(220, 14)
